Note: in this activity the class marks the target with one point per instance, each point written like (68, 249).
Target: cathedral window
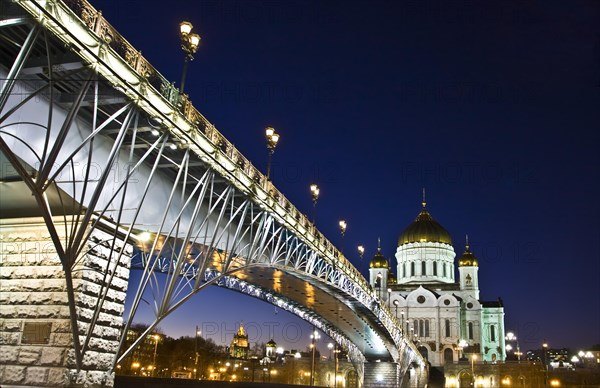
(435, 268)
(404, 270)
(412, 269)
(421, 327)
(423, 268)
(447, 324)
(470, 330)
(468, 280)
(492, 333)
(444, 269)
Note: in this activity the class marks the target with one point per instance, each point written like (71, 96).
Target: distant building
(587, 359)
(240, 346)
(444, 315)
(271, 349)
(142, 356)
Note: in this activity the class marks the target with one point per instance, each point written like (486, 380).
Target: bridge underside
(340, 312)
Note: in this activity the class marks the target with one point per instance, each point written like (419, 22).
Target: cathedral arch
(448, 355)
(465, 379)
(422, 297)
(352, 379)
(447, 301)
(472, 303)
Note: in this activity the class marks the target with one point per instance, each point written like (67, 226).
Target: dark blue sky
(493, 106)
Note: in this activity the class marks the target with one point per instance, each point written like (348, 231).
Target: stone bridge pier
(36, 340)
(391, 375)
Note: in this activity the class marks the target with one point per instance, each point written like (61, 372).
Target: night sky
(493, 107)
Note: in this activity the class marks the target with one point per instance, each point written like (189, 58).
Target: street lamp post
(473, 357)
(361, 251)
(511, 337)
(196, 368)
(389, 292)
(314, 336)
(336, 352)
(402, 313)
(189, 45)
(343, 226)
(272, 139)
(545, 348)
(333, 347)
(156, 338)
(314, 193)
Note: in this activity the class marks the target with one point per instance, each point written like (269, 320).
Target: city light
(361, 251)
(189, 45)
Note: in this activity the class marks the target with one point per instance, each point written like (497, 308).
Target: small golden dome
(391, 279)
(424, 229)
(468, 259)
(378, 261)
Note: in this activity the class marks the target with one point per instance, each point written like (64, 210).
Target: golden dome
(468, 259)
(424, 229)
(391, 279)
(378, 261)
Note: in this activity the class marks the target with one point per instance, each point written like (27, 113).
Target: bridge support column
(414, 376)
(36, 340)
(381, 374)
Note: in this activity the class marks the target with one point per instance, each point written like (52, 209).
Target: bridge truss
(85, 118)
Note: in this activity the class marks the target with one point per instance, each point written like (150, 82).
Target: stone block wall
(381, 374)
(36, 340)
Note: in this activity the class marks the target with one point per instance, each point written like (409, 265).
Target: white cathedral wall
(469, 287)
(380, 289)
(493, 316)
(435, 310)
(427, 252)
(459, 313)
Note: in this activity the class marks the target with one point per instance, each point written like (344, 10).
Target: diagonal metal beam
(15, 70)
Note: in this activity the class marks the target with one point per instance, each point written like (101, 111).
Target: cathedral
(443, 315)
(239, 347)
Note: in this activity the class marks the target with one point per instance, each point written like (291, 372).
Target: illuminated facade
(442, 314)
(239, 346)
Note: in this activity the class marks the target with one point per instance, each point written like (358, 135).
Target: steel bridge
(110, 155)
